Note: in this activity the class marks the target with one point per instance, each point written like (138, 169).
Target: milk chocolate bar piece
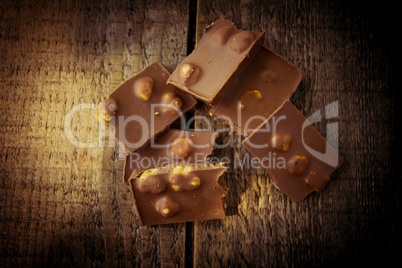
(221, 55)
(267, 82)
(171, 147)
(297, 157)
(143, 107)
(179, 194)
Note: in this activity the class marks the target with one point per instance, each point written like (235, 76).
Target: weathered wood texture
(61, 204)
(65, 205)
(346, 57)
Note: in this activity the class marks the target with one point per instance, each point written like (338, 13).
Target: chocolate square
(143, 107)
(295, 154)
(221, 55)
(267, 82)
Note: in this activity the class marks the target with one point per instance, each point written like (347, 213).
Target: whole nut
(298, 164)
(172, 103)
(151, 184)
(143, 87)
(189, 74)
(181, 147)
(167, 207)
(282, 142)
(242, 40)
(222, 34)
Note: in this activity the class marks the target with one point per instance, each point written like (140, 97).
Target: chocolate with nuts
(265, 84)
(143, 107)
(172, 146)
(221, 55)
(179, 193)
(297, 157)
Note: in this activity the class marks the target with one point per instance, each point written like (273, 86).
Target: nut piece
(183, 170)
(178, 182)
(255, 93)
(178, 169)
(222, 34)
(195, 181)
(172, 103)
(282, 142)
(242, 40)
(268, 75)
(187, 169)
(181, 147)
(298, 164)
(143, 87)
(316, 181)
(189, 74)
(167, 207)
(184, 182)
(149, 172)
(151, 184)
(106, 110)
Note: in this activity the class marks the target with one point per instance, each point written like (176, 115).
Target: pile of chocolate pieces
(241, 81)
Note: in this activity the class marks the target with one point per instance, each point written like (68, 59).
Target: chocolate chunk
(297, 157)
(171, 147)
(221, 55)
(190, 193)
(265, 84)
(145, 106)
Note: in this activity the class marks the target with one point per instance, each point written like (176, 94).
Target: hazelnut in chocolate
(171, 147)
(179, 193)
(143, 107)
(304, 159)
(222, 53)
(265, 84)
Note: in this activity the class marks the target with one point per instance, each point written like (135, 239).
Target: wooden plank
(65, 205)
(61, 204)
(344, 53)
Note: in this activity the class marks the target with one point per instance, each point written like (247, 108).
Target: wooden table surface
(63, 202)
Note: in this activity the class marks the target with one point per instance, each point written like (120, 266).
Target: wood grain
(61, 204)
(352, 220)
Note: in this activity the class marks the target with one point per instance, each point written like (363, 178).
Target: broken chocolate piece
(145, 107)
(190, 193)
(265, 84)
(171, 147)
(221, 55)
(303, 159)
